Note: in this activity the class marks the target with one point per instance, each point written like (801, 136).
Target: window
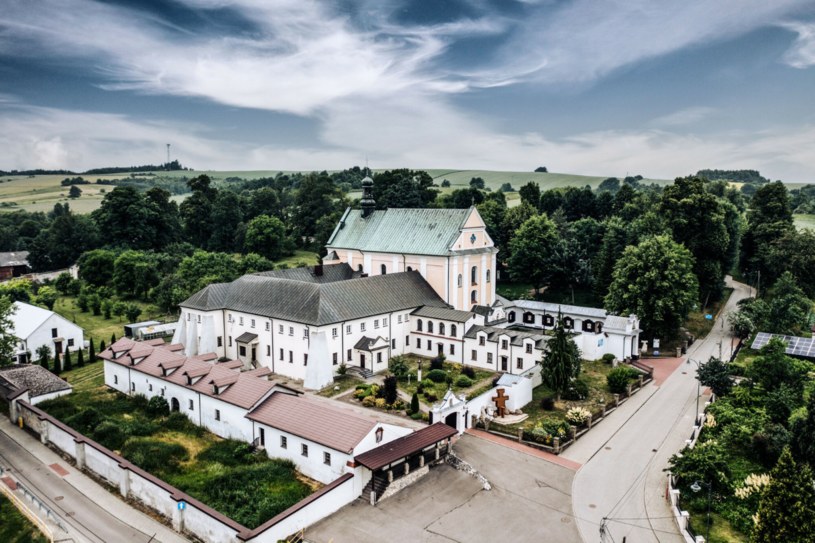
(188, 316)
(418, 343)
(409, 268)
(376, 323)
(252, 323)
(54, 332)
(441, 329)
(474, 355)
(268, 350)
(429, 327)
(305, 359)
(335, 359)
(304, 449)
(192, 406)
(281, 354)
(284, 442)
(453, 330)
(474, 296)
(419, 325)
(349, 355)
(279, 328)
(291, 330)
(383, 269)
(240, 321)
(132, 387)
(230, 341)
(474, 275)
(198, 318)
(482, 340)
(241, 350)
(407, 341)
(379, 357)
(384, 323)
(489, 358)
(150, 387)
(429, 345)
(528, 348)
(362, 327)
(488, 276)
(162, 392)
(529, 317)
(291, 357)
(333, 332)
(305, 333)
(379, 432)
(568, 323)
(268, 326)
(347, 329)
(452, 349)
(217, 414)
(220, 341)
(504, 344)
(70, 342)
(262, 437)
(520, 363)
(511, 316)
(399, 319)
(327, 458)
(393, 344)
(115, 379)
(460, 280)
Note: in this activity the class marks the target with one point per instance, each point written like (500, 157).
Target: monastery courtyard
(527, 494)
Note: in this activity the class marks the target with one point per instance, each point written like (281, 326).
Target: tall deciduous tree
(47, 296)
(43, 354)
(266, 236)
(768, 220)
(96, 267)
(403, 188)
(715, 374)
(786, 511)
(803, 434)
(196, 210)
(530, 194)
(561, 360)
(531, 249)
(655, 281)
(7, 341)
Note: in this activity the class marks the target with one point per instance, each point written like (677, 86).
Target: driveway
(530, 500)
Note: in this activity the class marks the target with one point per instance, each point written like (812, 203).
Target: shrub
(437, 363)
(157, 406)
(138, 426)
(468, 371)
(578, 389)
(369, 401)
(84, 421)
(342, 369)
(416, 416)
(153, 455)
(178, 422)
(414, 403)
(380, 403)
(230, 452)
(420, 387)
(140, 401)
(578, 415)
(463, 381)
(430, 397)
(427, 383)
(109, 434)
(437, 376)
(398, 367)
(619, 377)
(548, 403)
(608, 358)
(390, 393)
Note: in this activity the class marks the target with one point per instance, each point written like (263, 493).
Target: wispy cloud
(802, 53)
(685, 117)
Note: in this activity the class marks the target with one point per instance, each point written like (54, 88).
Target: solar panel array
(796, 346)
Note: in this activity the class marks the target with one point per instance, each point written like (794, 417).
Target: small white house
(34, 326)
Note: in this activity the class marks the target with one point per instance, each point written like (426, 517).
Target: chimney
(318, 270)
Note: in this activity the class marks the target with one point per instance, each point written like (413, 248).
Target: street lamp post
(696, 487)
(698, 392)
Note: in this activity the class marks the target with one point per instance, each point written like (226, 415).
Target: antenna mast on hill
(168, 153)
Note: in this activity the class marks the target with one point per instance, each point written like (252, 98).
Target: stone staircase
(378, 485)
(365, 373)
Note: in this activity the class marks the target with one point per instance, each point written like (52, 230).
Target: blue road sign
(709, 317)
(182, 505)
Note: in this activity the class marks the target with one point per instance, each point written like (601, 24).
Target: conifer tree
(787, 508)
(57, 369)
(102, 346)
(561, 360)
(66, 364)
(414, 403)
(112, 339)
(91, 352)
(80, 359)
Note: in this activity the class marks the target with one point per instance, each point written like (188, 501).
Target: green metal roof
(409, 231)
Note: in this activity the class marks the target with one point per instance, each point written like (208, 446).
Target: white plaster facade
(34, 326)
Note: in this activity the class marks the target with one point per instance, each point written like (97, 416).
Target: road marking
(59, 470)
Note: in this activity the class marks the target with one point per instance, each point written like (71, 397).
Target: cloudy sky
(658, 88)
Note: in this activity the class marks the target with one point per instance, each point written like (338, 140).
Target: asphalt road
(89, 512)
(622, 479)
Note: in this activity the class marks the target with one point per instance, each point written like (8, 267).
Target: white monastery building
(34, 327)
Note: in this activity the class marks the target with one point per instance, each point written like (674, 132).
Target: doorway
(440, 348)
(451, 420)
(174, 405)
(504, 363)
(362, 361)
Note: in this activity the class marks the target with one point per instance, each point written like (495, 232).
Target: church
(393, 282)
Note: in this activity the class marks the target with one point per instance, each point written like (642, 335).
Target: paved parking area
(530, 500)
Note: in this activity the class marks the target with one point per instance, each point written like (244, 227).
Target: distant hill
(494, 179)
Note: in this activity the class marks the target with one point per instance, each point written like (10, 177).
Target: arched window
(548, 320)
(453, 330)
(488, 276)
(384, 269)
(429, 327)
(419, 325)
(568, 323)
(529, 317)
(409, 268)
(511, 316)
(474, 296)
(460, 280)
(359, 267)
(588, 325)
(441, 328)
(474, 275)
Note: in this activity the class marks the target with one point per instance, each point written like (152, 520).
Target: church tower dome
(367, 202)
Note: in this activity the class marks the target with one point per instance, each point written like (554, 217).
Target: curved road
(622, 478)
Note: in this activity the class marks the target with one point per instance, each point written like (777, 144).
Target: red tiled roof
(404, 446)
(312, 419)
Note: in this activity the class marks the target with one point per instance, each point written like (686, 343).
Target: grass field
(804, 221)
(15, 527)
(227, 475)
(97, 327)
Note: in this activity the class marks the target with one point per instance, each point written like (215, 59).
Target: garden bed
(341, 384)
(435, 383)
(228, 475)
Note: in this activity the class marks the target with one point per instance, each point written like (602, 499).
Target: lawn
(433, 391)
(697, 324)
(15, 527)
(804, 221)
(99, 328)
(227, 475)
(342, 383)
(299, 259)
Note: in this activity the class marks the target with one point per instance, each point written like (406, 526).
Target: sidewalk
(87, 510)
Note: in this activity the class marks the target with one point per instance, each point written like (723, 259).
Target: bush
(578, 389)
(420, 387)
(608, 358)
(427, 383)
(437, 376)
(437, 363)
(109, 434)
(138, 426)
(578, 415)
(430, 397)
(468, 371)
(390, 393)
(85, 421)
(369, 401)
(157, 406)
(463, 381)
(548, 403)
(416, 415)
(380, 403)
(618, 379)
(153, 455)
(414, 403)
(178, 422)
(230, 452)
(398, 367)
(342, 369)
(140, 401)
